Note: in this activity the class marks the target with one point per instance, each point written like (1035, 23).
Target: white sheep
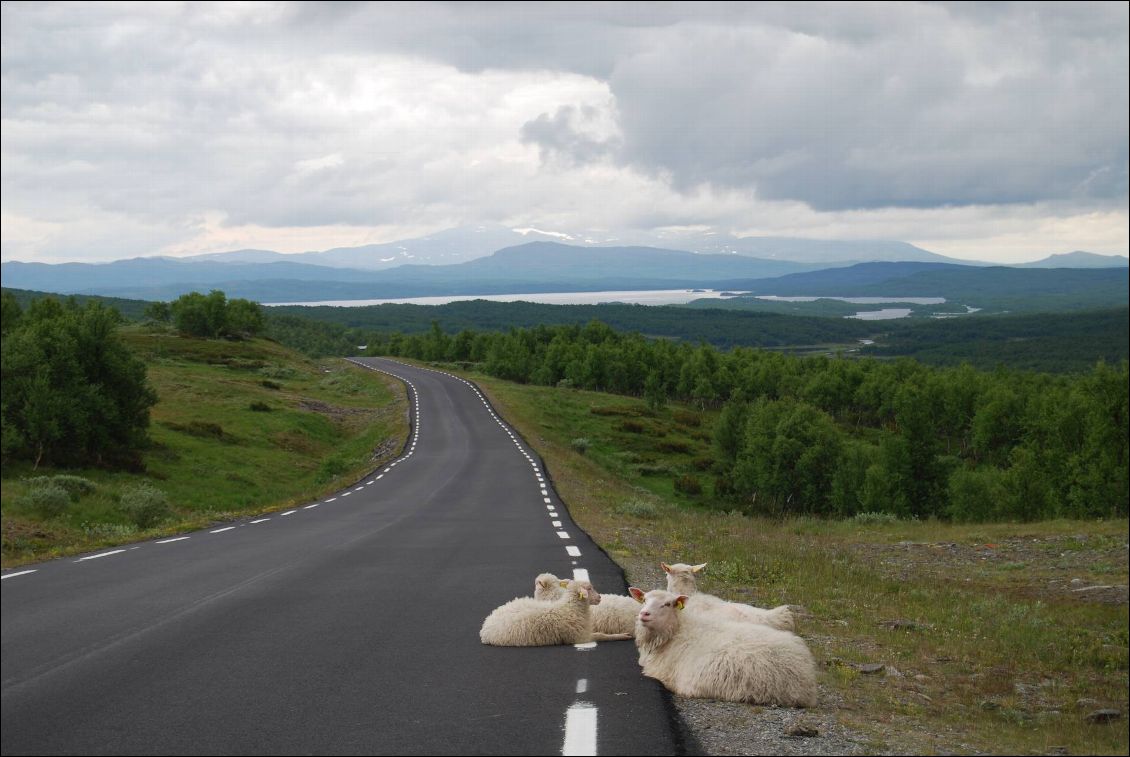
(527, 622)
(706, 655)
(616, 614)
(681, 580)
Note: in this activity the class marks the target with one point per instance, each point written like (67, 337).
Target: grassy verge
(987, 642)
(240, 428)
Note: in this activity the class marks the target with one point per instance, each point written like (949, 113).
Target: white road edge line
(221, 530)
(169, 541)
(100, 554)
(573, 551)
(21, 573)
(261, 520)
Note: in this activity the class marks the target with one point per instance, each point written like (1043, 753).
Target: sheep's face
(680, 577)
(660, 609)
(583, 590)
(548, 587)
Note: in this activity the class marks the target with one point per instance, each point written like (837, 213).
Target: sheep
(681, 580)
(614, 615)
(527, 622)
(706, 655)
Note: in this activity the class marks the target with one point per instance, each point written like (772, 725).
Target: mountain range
(470, 261)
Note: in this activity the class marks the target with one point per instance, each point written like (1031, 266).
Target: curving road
(347, 626)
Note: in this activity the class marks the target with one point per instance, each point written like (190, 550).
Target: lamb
(527, 622)
(706, 655)
(681, 580)
(614, 615)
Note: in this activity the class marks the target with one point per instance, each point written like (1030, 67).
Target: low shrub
(871, 519)
(260, 407)
(639, 508)
(688, 484)
(49, 499)
(145, 505)
(580, 445)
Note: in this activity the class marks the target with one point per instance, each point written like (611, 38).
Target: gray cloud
(329, 114)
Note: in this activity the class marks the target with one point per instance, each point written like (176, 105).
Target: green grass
(1001, 650)
(214, 452)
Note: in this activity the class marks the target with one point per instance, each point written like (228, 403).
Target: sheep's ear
(697, 568)
(543, 583)
(681, 602)
(564, 584)
(636, 594)
(665, 566)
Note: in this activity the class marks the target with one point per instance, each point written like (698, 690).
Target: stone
(871, 668)
(802, 731)
(1103, 716)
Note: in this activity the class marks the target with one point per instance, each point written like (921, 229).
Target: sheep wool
(708, 656)
(528, 622)
(681, 580)
(615, 614)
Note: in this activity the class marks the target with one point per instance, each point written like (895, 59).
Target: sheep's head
(548, 587)
(680, 577)
(582, 590)
(660, 611)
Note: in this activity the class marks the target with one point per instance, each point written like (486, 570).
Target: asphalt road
(347, 626)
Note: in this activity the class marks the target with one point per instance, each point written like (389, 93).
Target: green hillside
(240, 427)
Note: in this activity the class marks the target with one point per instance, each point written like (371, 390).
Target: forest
(838, 437)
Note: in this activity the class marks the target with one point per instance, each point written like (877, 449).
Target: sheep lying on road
(681, 580)
(615, 614)
(527, 622)
(706, 655)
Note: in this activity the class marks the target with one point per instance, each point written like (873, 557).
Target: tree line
(838, 437)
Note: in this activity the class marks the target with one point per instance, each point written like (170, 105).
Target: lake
(654, 297)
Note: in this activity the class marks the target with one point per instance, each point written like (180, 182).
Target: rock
(921, 678)
(1085, 702)
(1077, 582)
(899, 624)
(802, 731)
(1103, 716)
(871, 668)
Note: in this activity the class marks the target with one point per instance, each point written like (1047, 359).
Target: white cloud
(981, 130)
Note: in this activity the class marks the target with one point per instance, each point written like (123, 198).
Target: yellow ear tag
(679, 604)
(564, 584)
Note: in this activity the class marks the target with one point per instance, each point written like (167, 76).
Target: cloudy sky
(995, 132)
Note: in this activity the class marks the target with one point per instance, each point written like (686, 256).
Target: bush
(874, 519)
(639, 508)
(145, 505)
(271, 384)
(75, 486)
(580, 445)
(687, 418)
(688, 484)
(49, 499)
(702, 464)
(277, 371)
(632, 427)
(681, 448)
(260, 407)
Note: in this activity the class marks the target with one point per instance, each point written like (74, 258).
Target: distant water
(858, 300)
(656, 297)
(881, 315)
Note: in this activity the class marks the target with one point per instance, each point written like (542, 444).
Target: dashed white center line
(169, 541)
(307, 507)
(547, 500)
(563, 535)
(345, 494)
(582, 685)
(13, 575)
(261, 520)
(290, 512)
(331, 499)
(100, 554)
(580, 729)
(556, 524)
(221, 530)
(580, 574)
(573, 551)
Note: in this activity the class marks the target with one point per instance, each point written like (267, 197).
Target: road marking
(582, 685)
(290, 512)
(220, 530)
(573, 551)
(556, 524)
(261, 520)
(315, 505)
(563, 535)
(331, 499)
(169, 541)
(586, 646)
(580, 574)
(580, 730)
(100, 554)
(359, 488)
(547, 500)
(346, 494)
(13, 575)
